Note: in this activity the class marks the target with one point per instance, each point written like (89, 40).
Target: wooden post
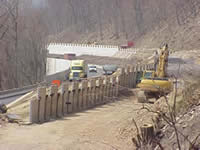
(80, 97)
(60, 105)
(93, 91)
(128, 77)
(71, 98)
(117, 86)
(122, 77)
(41, 95)
(108, 88)
(65, 97)
(48, 108)
(135, 76)
(85, 91)
(104, 90)
(54, 100)
(89, 96)
(114, 85)
(34, 110)
(100, 90)
(147, 132)
(97, 92)
(75, 100)
(131, 77)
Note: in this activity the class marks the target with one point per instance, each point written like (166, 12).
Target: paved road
(9, 99)
(6, 99)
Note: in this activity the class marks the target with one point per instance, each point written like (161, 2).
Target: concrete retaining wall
(77, 96)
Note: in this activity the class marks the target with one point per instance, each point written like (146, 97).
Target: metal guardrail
(17, 91)
(20, 91)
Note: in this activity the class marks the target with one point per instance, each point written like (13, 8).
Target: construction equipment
(155, 83)
(78, 70)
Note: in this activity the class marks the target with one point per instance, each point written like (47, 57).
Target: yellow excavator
(155, 83)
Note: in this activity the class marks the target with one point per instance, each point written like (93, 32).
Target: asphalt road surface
(10, 98)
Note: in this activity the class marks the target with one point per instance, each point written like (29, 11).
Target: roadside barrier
(73, 97)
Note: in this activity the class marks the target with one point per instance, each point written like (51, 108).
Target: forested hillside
(116, 21)
(26, 26)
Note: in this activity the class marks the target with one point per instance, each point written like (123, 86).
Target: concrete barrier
(78, 96)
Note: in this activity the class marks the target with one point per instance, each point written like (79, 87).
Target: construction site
(101, 87)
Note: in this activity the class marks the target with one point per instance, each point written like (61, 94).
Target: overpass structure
(57, 50)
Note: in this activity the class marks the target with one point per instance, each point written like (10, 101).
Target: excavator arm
(156, 82)
(163, 62)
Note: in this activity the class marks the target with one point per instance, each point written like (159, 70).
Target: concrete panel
(100, 99)
(65, 97)
(85, 93)
(107, 91)
(132, 77)
(76, 94)
(117, 86)
(122, 80)
(48, 108)
(114, 83)
(80, 99)
(135, 76)
(93, 82)
(89, 95)
(111, 88)
(34, 111)
(92, 92)
(54, 100)
(104, 90)
(60, 105)
(71, 99)
(41, 95)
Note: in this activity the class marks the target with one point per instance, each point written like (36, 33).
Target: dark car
(109, 69)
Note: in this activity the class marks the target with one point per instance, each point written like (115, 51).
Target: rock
(141, 97)
(3, 109)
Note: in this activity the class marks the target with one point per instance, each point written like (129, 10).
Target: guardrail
(84, 45)
(17, 91)
(78, 96)
(20, 91)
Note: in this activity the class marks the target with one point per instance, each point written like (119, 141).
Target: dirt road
(107, 127)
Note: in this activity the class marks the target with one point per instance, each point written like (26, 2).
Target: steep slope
(179, 29)
(186, 36)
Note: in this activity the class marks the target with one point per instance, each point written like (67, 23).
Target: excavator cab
(148, 74)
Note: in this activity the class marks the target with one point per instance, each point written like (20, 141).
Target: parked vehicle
(93, 69)
(78, 70)
(109, 69)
